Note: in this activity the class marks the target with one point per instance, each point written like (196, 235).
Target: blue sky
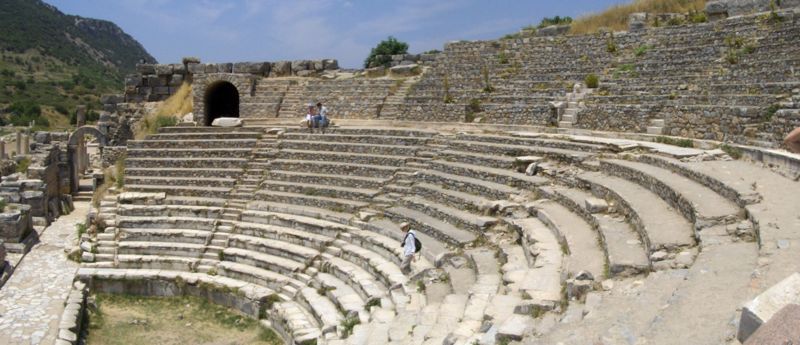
(271, 30)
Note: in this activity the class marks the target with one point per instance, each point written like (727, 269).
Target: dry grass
(168, 112)
(616, 17)
(132, 320)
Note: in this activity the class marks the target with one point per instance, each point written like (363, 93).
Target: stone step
(347, 157)
(659, 225)
(316, 189)
(190, 163)
(462, 219)
(699, 204)
(476, 186)
(336, 204)
(210, 192)
(655, 130)
(431, 226)
(326, 179)
(580, 239)
(500, 176)
(564, 124)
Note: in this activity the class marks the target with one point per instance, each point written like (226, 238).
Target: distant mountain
(50, 62)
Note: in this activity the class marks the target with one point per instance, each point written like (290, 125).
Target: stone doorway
(221, 100)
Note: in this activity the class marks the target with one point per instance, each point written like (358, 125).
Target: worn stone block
(762, 308)
(596, 205)
(780, 329)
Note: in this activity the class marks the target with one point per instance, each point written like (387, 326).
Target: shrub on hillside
(592, 81)
(557, 20)
(381, 54)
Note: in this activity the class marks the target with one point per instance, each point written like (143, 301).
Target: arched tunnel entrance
(221, 100)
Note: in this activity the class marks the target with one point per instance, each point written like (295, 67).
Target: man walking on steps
(409, 247)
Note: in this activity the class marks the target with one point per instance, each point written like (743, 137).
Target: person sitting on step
(322, 117)
(310, 119)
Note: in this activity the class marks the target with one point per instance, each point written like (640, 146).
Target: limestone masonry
(655, 208)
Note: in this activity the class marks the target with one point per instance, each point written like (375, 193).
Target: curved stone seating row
(625, 252)
(294, 324)
(699, 204)
(255, 266)
(660, 226)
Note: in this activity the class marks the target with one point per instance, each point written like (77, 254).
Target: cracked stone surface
(32, 300)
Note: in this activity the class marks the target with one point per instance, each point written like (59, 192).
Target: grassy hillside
(616, 17)
(51, 62)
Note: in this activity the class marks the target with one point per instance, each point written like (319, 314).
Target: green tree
(380, 55)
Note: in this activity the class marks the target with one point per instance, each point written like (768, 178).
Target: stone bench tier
(205, 143)
(305, 211)
(210, 192)
(283, 234)
(196, 182)
(625, 251)
(519, 150)
(345, 297)
(379, 131)
(387, 247)
(470, 202)
(190, 250)
(186, 163)
(334, 204)
(487, 189)
(362, 281)
(343, 157)
(208, 129)
(165, 222)
(699, 204)
(325, 179)
(320, 189)
(431, 226)
(455, 216)
(296, 324)
(205, 192)
(324, 227)
(169, 211)
(659, 225)
(523, 139)
(585, 253)
(323, 310)
(386, 271)
(495, 161)
(361, 139)
(156, 262)
(190, 153)
(379, 149)
(268, 262)
(294, 252)
(163, 235)
(500, 176)
(194, 201)
(433, 250)
(196, 133)
(334, 168)
(184, 172)
(259, 276)
(542, 282)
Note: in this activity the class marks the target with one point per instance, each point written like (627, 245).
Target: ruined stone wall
(744, 7)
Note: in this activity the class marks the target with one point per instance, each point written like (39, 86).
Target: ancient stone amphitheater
(549, 213)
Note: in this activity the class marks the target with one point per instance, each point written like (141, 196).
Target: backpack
(417, 243)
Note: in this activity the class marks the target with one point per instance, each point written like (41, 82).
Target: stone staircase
(392, 105)
(656, 127)
(574, 105)
(294, 101)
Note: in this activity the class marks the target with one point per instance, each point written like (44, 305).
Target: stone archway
(221, 99)
(78, 159)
